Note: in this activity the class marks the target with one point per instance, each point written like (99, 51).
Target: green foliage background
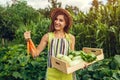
(98, 28)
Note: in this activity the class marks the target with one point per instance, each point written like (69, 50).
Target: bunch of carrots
(31, 49)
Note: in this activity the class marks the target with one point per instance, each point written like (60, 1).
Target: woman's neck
(59, 34)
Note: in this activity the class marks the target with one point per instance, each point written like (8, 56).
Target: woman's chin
(57, 29)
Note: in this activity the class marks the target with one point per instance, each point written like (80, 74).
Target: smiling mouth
(57, 25)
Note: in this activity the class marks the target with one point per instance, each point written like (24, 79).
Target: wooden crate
(64, 67)
(97, 51)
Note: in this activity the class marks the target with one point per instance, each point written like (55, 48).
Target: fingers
(27, 35)
(86, 65)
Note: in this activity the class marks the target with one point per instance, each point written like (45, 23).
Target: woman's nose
(56, 21)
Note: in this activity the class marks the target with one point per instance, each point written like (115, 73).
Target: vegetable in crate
(66, 58)
(88, 57)
(59, 56)
(70, 59)
(76, 57)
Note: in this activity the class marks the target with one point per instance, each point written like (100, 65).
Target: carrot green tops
(57, 46)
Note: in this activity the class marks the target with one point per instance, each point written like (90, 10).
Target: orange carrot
(28, 48)
(32, 44)
(33, 52)
(31, 48)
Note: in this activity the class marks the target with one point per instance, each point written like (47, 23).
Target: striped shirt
(57, 46)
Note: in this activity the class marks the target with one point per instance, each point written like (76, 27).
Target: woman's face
(59, 23)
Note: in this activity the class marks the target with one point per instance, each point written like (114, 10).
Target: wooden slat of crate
(75, 68)
(64, 67)
(97, 51)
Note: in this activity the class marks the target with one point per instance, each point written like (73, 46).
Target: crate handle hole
(57, 63)
(93, 50)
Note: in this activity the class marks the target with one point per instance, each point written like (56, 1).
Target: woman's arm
(42, 44)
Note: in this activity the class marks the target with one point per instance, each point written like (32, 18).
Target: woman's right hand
(27, 35)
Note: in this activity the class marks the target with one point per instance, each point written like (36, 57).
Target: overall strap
(50, 37)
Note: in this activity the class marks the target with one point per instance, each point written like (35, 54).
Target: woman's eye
(61, 20)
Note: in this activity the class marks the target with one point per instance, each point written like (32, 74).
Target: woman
(59, 41)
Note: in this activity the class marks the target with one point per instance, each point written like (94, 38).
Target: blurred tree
(12, 17)
(112, 2)
(54, 3)
(96, 4)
